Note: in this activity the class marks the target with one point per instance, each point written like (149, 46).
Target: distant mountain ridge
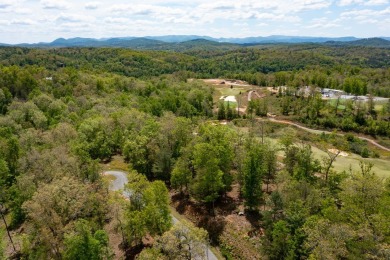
(372, 42)
(183, 42)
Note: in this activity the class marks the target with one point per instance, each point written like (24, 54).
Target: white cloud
(73, 18)
(22, 10)
(369, 21)
(274, 17)
(13, 8)
(92, 5)
(349, 2)
(75, 25)
(55, 4)
(377, 2)
(323, 23)
(365, 13)
(143, 9)
(293, 6)
(250, 10)
(220, 5)
(312, 4)
(244, 24)
(8, 5)
(5, 4)
(116, 20)
(23, 22)
(221, 18)
(363, 2)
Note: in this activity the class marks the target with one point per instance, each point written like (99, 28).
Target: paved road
(119, 184)
(327, 132)
(120, 180)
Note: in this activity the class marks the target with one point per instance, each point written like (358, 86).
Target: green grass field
(381, 167)
(117, 163)
(231, 104)
(230, 91)
(378, 104)
(333, 103)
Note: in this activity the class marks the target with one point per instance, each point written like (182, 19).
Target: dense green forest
(65, 114)
(269, 65)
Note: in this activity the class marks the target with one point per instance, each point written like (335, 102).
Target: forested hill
(134, 43)
(372, 42)
(183, 43)
(265, 65)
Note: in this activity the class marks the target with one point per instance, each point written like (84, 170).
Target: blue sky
(45, 20)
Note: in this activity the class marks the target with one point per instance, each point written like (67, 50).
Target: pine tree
(253, 171)
(221, 111)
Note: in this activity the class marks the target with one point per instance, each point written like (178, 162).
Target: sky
(31, 21)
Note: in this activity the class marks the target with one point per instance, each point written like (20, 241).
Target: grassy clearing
(230, 91)
(380, 104)
(240, 92)
(378, 107)
(231, 104)
(108, 178)
(377, 104)
(117, 163)
(381, 167)
(333, 103)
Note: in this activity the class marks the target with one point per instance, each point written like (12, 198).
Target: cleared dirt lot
(242, 90)
(227, 82)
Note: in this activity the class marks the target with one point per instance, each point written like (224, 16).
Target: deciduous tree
(148, 211)
(183, 241)
(83, 244)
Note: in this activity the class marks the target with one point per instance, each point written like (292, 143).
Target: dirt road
(250, 95)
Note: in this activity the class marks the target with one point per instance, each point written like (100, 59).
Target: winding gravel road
(250, 95)
(119, 184)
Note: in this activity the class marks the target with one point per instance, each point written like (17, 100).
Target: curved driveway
(119, 184)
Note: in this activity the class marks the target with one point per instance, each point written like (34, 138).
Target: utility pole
(262, 132)
(238, 105)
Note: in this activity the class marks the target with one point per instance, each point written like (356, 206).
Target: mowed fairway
(381, 167)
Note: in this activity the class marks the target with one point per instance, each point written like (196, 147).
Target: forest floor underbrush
(233, 231)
